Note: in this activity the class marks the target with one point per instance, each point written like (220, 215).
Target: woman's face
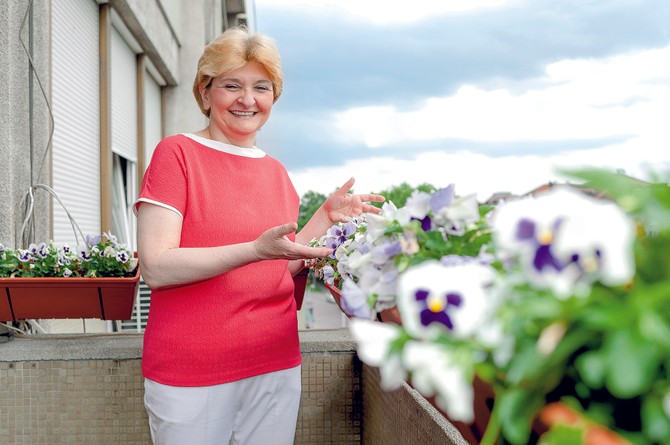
(240, 103)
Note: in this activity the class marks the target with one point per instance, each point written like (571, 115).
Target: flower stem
(492, 428)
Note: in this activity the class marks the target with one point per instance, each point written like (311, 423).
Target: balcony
(88, 389)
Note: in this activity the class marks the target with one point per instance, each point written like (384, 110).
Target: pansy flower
(417, 207)
(434, 299)
(374, 347)
(377, 224)
(354, 301)
(24, 255)
(92, 240)
(566, 240)
(459, 214)
(435, 373)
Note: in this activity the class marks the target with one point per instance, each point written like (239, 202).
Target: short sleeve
(165, 180)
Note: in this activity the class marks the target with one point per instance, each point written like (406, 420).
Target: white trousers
(260, 410)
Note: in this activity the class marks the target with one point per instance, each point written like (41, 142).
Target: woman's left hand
(342, 205)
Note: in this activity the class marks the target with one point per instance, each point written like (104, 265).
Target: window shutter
(152, 117)
(124, 98)
(76, 110)
(138, 321)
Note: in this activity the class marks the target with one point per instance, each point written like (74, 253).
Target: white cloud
(580, 99)
(384, 12)
(481, 174)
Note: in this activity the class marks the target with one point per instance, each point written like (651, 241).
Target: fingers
(314, 252)
(346, 186)
(286, 229)
(371, 209)
(274, 244)
(369, 197)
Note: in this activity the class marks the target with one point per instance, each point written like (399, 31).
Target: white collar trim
(253, 152)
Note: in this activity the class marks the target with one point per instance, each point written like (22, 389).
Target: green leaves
(655, 422)
(564, 435)
(632, 363)
(107, 258)
(516, 409)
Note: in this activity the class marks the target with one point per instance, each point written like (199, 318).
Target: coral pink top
(241, 323)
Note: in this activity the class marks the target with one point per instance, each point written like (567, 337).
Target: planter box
(300, 282)
(387, 316)
(103, 298)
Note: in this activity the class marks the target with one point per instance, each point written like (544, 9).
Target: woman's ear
(204, 95)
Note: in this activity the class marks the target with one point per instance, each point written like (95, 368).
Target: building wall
(24, 118)
(171, 48)
(189, 118)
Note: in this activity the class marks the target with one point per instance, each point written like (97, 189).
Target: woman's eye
(232, 87)
(263, 88)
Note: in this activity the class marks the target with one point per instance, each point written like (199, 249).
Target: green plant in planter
(575, 308)
(99, 256)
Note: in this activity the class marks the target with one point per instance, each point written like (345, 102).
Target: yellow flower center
(545, 237)
(436, 304)
(589, 264)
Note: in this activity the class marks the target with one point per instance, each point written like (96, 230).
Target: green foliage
(615, 355)
(564, 435)
(398, 194)
(99, 257)
(309, 204)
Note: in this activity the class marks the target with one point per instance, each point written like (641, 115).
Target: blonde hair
(231, 51)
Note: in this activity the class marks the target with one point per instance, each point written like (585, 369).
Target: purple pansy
(435, 308)
(541, 243)
(442, 198)
(92, 240)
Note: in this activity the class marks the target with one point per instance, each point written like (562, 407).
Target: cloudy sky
(490, 95)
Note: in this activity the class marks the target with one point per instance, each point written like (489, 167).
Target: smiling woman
(225, 258)
(239, 103)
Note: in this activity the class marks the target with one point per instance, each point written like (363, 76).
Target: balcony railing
(88, 389)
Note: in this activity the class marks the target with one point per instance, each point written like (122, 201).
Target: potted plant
(98, 279)
(567, 303)
(372, 251)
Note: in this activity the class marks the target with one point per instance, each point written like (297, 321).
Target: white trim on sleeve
(159, 204)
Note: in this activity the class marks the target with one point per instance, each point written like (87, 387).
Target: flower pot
(391, 315)
(300, 283)
(594, 434)
(108, 298)
(336, 293)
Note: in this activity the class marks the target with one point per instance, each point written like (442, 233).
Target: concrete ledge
(330, 340)
(121, 346)
(72, 347)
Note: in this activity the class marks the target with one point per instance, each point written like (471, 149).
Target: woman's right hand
(274, 244)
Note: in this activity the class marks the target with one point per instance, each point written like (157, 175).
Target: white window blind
(152, 117)
(138, 321)
(76, 109)
(124, 98)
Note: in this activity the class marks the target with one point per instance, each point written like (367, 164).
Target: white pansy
(377, 224)
(418, 205)
(565, 240)
(354, 301)
(434, 299)
(434, 373)
(458, 215)
(374, 346)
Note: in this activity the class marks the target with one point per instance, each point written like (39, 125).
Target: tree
(309, 204)
(398, 194)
